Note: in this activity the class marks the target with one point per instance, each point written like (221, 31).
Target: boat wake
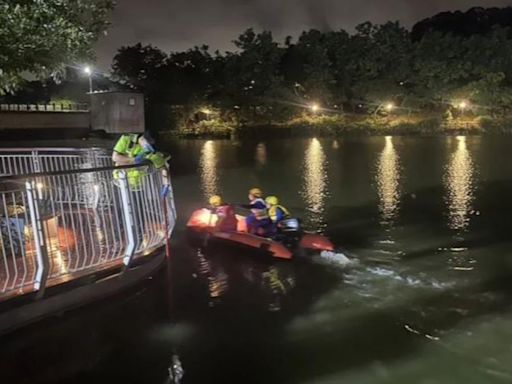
(338, 259)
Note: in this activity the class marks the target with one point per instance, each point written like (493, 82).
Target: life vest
(272, 212)
(227, 219)
(259, 213)
(128, 145)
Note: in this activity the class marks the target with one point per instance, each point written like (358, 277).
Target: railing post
(39, 241)
(169, 200)
(35, 162)
(127, 211)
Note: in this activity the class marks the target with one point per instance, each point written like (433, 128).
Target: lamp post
(88, 72)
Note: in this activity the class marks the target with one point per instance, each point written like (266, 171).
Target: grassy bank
(306, 126)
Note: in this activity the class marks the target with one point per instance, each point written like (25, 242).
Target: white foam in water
(408, 280)
(336, 258)
(176, 371)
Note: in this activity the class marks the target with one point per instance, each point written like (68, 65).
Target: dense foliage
(264, 80)
(38, 37)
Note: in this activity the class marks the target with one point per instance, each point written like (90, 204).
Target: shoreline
(427, 127)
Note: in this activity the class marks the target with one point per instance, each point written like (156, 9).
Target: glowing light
(388, 181)
(206, 111)
(261, 154)
(87, 70)
(389, 107)
(459, 185)
(463, 105)
(208, 169)
(39, 186)
(207, 218)
(315, 184)
(96, 188)
(314, 107)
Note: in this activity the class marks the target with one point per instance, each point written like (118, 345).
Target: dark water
(428, 221)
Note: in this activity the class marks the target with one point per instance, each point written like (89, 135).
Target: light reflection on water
(272, 281)
(388, 182)
(208, 169)
(261, 154)
(460, 186)
(315, 185)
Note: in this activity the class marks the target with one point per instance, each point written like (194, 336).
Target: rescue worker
(226, 218)
(258, 222)
(133, 148)
(276, 212)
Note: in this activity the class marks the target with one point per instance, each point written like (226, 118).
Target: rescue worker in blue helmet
(258, 222)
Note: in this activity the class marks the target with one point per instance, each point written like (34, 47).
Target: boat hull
(203, 222)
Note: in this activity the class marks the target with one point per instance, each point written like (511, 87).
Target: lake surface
(428, 299)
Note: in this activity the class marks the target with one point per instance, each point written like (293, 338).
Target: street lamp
(314, 107)
(88, 72)
(389, 107)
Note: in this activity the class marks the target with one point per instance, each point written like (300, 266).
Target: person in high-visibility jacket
(258, 222)
(276, 212)
(226, 218)
(131, 149)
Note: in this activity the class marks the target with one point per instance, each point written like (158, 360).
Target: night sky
(181, 24)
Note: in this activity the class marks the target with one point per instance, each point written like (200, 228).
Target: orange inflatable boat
(203, 221)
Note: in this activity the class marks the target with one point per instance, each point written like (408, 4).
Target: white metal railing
(61, 225)
(52, 107)
(22, 161)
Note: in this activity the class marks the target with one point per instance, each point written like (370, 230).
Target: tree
(191, 76)
(139, 66)
(251, 76)
(306, 65)
(475, 21)
(39, 37)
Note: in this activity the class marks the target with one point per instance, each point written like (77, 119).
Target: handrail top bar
(49, 149)
(73, 171)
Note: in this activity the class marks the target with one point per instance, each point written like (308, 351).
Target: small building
(117, 112)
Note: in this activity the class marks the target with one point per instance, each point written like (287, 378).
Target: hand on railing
(165, 191)
(140, 158)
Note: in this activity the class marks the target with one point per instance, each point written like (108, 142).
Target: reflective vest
(273, 211)
(128, 145)
(158, 159)
(134, 177)
(259, 213)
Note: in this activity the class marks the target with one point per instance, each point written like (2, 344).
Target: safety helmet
(149, 137)
(272, 200)
(256, 192)
(215, 201)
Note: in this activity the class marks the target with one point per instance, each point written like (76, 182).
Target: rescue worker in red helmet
(226, 219)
